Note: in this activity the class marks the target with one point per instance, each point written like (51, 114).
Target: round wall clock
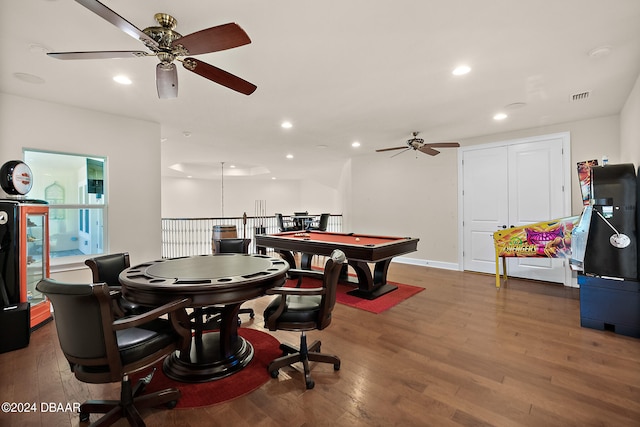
(16, 177)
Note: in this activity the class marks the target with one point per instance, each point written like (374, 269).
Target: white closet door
(535, 195)
(515, 184)
(486, 207)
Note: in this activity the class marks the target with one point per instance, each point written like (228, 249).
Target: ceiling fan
(419, 144)
(168, 45)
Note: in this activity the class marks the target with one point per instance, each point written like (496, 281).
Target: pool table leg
(371, 287)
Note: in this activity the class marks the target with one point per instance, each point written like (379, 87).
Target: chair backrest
(332, 269)
(280, 221)
(324, 222)
(107, 268)
(232, 246)
(83, 317)
(301, 213)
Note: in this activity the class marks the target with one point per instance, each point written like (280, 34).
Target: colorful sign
(548, 239)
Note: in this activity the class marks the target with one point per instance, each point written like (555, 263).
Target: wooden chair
(101, 348)
(305, 309)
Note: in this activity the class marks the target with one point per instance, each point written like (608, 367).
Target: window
(73, 185)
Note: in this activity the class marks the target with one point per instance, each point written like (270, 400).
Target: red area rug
(378, 305)
(265, 347)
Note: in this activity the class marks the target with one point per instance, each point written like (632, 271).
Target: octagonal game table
(227, 280)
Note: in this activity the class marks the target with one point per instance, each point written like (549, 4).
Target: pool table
(360, 249)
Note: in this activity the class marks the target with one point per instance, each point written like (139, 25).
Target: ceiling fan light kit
(168, 46)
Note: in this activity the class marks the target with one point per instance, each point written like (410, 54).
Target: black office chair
(285, 225)
(101, 348)
(305, 309)
(225, 246)
(106, 269)
(321, 224)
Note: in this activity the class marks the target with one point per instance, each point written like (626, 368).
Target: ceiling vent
(582, 96)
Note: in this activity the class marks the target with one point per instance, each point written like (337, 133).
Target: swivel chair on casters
(305, 309)
(106, 269)
(101, 348)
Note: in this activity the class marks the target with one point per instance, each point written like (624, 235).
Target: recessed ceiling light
(461, 70)
(28, 78)
(123, 80)
(232, 166)
(355, 144)
(289, 156)
(186, 134)
(286, 125)
(322, 146)
(500, 116)
(273, 177)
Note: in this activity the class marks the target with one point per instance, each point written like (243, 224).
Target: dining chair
(321, 224)
(285, 225)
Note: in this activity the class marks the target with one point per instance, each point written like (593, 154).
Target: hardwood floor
(461, 353)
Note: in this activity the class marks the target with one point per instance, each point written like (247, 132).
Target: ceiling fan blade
(219, 76)
(428, 150)
(109, 15)
(167, 81)
(389, 149)
(403, 151)
(443, 144)
(107, 54)
(212, 39)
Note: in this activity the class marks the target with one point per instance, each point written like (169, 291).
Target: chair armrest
(284, 290)
(306, 273)
(140, 319)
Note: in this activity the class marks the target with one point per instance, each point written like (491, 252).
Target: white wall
(132, 148)
(202, 198)
(417, 197)
(630, 127)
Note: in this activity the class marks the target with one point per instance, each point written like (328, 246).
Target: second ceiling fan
(169, 46)
(418, 144)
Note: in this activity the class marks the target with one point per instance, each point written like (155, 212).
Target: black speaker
(15, 328)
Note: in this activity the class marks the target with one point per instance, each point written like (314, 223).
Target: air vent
(582, 96)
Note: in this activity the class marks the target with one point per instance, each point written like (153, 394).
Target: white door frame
(566, 148)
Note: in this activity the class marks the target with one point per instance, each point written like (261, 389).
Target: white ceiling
(339, 70)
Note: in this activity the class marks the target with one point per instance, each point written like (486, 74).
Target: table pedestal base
(374, 293)
(204, 361)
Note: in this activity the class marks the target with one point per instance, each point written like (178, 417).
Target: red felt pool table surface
(359, 249)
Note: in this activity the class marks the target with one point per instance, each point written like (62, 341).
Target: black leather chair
(232, 246)
(106, 269)
(101, 348)
(305, 309)
(321, 224)
(225, 246)
(285, 225)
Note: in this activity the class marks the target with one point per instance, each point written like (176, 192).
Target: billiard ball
(357, 239)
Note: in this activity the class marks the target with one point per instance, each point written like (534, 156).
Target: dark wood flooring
(461, 353)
